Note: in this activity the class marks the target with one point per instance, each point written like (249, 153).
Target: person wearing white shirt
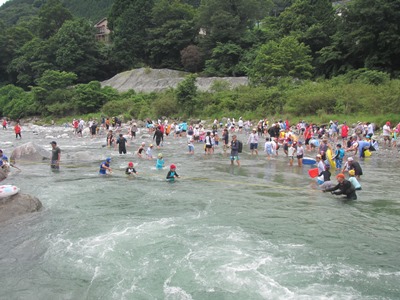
(253, 141)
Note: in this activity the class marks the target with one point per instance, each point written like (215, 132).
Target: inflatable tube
(313, 172)
(329, 158)
(309, 161)
(8, 190)
(367, 153)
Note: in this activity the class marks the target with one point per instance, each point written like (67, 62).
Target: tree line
(277, 43)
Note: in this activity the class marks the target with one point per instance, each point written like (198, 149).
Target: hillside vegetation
(300, 56)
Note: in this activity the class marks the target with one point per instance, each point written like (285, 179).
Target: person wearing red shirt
(308, 133)
(17, 130)
(345, 133)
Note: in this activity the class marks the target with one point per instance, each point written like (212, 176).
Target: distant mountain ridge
(14, 10)
(94, 10)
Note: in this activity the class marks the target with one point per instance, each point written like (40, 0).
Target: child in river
(354, 180)
(149, 152)
(140, 150)
(160, 162)
(130, 170)
(191, 146)
(172, 173)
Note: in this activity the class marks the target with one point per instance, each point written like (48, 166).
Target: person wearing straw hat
(344, 187)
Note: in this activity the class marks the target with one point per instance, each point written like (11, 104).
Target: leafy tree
(30, 62)
(224, 60)
(76, 50)
(11, 40)
(52, 16)
(51, 80)
(368, 37)
(192, 58)
(186, 94)
(129, 21)
(288, 58)
(173, 29)
(228, 22)
(311, 21)
(89, 97)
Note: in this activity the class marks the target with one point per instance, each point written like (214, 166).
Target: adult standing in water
(235, 150)
(17, 130)
(55, 156)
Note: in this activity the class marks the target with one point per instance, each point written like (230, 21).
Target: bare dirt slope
(157, 80)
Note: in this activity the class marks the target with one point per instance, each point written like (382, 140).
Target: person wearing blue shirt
(105, 166)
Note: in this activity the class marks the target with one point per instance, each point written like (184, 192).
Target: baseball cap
(340, 176)
(130, 164)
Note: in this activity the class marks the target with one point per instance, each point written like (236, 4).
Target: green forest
(303, 57)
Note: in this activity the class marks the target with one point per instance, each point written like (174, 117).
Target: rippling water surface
(261, 231)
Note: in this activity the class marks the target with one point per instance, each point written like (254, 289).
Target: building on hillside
(103, 33)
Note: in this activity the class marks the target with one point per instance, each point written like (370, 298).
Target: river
(261, 231)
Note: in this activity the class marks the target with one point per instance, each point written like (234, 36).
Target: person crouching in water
(130, 170)
(344, 186)
(172, 173)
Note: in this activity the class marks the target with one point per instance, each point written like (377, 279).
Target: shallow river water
(261, 231)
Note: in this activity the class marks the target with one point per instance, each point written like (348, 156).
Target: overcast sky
(2, 1)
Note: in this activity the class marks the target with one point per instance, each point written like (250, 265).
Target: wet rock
(30, 152)
(18, 204)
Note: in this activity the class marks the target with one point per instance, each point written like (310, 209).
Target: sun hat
(159, 155)
(352, 172)
(350, 159)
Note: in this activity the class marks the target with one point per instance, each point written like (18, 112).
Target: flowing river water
(261, 231)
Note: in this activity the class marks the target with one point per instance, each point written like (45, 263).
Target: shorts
(308, 141)
(300, 156)
(344, 137)
(386, 138)
(234, 157)
(291, 157)
(208, 146)
(196, 137)
(133, 133)
(191, 148)
(253, 146)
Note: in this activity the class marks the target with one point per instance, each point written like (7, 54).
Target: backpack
(240, 146)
